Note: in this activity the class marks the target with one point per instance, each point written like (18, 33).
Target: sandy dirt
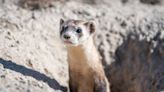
(129, 37)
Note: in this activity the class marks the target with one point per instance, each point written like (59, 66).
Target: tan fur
(85, 66)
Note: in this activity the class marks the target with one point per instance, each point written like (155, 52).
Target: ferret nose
(66, 37)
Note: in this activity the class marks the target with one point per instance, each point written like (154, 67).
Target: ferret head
(75, 32)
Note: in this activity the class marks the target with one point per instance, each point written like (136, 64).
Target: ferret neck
(82, 52)
(85, 53)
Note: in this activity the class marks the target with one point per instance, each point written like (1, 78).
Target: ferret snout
(69, 37)
(66, 36)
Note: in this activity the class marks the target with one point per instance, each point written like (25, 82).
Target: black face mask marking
(79, 30)
(63, 30)
(79, 35)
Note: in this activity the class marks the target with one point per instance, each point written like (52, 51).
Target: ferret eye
(78, 30)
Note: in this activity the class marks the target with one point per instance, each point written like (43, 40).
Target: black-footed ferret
(85, 68)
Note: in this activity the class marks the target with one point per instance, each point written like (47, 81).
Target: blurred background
(129, 37)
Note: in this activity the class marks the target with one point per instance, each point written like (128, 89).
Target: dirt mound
(32, 58)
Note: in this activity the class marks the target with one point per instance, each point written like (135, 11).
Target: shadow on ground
(35, 74)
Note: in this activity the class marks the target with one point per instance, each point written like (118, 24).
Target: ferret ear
(90, 26)
(61, 21)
